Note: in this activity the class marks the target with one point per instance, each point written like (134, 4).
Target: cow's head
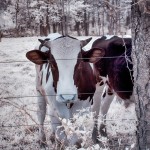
(103, 48)
(72, 77)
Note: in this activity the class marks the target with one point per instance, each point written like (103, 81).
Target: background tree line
(77, 17)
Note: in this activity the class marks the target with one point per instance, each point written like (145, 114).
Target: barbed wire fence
(113, 142)
(26, 112)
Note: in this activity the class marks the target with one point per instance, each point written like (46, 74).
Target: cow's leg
(56, 112)
(106, 99)
(60, 134)
(58, 130)
(41, 112)
(96, 109)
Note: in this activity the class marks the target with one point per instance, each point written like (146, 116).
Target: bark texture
(141, 60)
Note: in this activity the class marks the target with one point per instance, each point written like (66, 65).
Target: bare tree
(141, 60)
(84, 17)
(1, 35)
(16, 15)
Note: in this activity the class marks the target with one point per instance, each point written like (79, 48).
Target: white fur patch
(124, 36)
(65, 48)
(65, 51)
(109, 37)
(52, 37)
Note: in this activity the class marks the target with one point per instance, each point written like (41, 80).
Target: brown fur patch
(109, 92)
(54, 70)
(42, 78)
(84, 79)
(47, 74)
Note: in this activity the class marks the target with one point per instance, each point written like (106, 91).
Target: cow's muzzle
(68, 98)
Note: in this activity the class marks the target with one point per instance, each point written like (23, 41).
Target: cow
(113, 67)
(64, 82)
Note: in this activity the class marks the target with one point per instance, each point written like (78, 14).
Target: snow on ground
(18, 120)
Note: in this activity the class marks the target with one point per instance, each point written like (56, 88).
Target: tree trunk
(1, 35)
(64, 19)
(28, 22)
(103, 23)
(86, 23)
(141, 60)
(99, 24)
(43, 29)
(93, 20)
(54, 27)
(77, 28)
(16, 17)
(47, 20)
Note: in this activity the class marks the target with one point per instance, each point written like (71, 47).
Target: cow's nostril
(68, 97)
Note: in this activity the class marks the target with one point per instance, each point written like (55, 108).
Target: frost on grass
(121, 125)
(18, 123)
(81, 124)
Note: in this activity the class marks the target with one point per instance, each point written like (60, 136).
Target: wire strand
(26, 96)
(6, 126)
(45, 124)
(13, 61)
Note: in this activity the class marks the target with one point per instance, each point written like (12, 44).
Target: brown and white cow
(63, 81)
(113, 66)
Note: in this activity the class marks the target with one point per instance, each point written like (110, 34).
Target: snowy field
(18, 120)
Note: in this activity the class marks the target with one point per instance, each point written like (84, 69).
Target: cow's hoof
(59, 145)
(78, 144)
(95, 136)
(103, 131)
(43, 144)
(53, 138)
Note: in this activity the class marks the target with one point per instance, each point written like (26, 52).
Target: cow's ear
(41, 41)
(37, 56)
(93, 55)
(85, 42)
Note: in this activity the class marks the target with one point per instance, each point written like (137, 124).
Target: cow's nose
(68, 97)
